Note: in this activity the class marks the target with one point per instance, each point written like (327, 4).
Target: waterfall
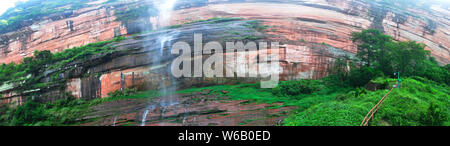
(145, 114)
(144, 117)
(115, 120)
(165, 8)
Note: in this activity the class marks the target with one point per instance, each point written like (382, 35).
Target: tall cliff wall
(84, 26)
(312, 33)
(315, 21)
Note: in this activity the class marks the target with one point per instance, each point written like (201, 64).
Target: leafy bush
(30, 112)
(5, 115)
(362, 76)
(31, 70)
(257, 25)
(329, 114)
(126, 92)
(379, 53)
(435, 115)
(294, 88)
(435, 72)
(418, 103)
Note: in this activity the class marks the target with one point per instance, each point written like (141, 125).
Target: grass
(254, 93)
(409, 106)
(248, 37)
(248, 121)
(32, 70)
(420, 102)
(62, 112)
(345, 106)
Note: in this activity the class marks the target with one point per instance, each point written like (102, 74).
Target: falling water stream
(165, 8)
(115, 120)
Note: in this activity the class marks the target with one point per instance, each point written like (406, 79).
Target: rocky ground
(187, 109)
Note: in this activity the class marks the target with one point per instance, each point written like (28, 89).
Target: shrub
(125, 92)
(5, 115)
(293, 88)
(32, 69)
(352, 94)
(30, 112)
(329, 114)
(435, 115)
(418, 103)
(362, 76)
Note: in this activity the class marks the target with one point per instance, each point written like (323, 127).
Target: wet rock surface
(192, 109)
(312, 33)
(314, 21)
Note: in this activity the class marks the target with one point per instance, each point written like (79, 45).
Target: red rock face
(415, 29)
(136, 77)
(297, 26)
(74, 86)
(318, 25)
(12, 99)
(312, 35)
(192, 109)
(88, 26)
(291, 22)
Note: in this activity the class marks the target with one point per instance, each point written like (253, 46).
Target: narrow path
(374, 109)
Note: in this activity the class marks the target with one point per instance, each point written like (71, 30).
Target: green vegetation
(62, 112)
(247, 37)
(28, 76)
(337, 100)
(420, 102)
(323, 43)
(29, 73)
(25, 13)
(294, 88)
(257, 25)
(254, 93)
(380, 56)
(416, 104)
(341, 100)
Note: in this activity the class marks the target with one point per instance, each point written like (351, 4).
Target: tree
(380, 52)
(361, 76)
(410, 58)
(372, 47)
(341, 69)
(435, 115)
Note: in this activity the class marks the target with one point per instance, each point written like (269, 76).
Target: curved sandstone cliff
(312, 33)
